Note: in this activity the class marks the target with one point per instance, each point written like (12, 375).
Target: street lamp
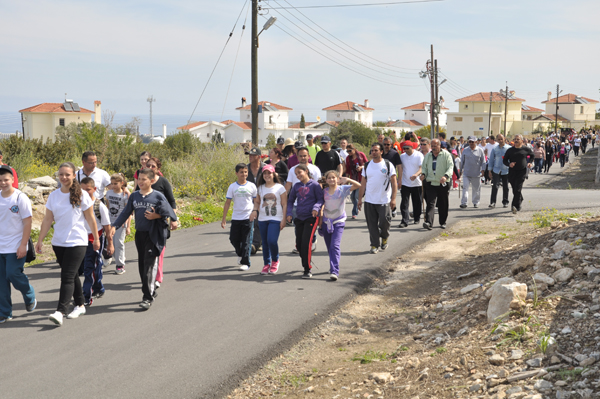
(254, 68)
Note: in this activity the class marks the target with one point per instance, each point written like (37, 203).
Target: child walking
(117, 201)
(242, 193)
(334, 217)
(15, 219)
(310, 200)
(270, 205)
(92, 262)
(151, 232)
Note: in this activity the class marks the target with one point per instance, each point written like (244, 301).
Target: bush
(355, 132)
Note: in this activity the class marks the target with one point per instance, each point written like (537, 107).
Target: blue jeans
(538, 164)
(12, 271)
(92, 271)
(269, 232)
(354, 198)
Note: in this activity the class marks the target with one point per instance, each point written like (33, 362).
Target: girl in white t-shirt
(68, 207)
(270, 204)
(334, 216)
(15, 219)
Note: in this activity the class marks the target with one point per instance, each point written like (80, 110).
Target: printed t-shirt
(13, 210)
(377, 181)
(335, 204)
(410, 166)
(242, 197)
(103, 221)
(69, 227)
(116, 203)
(270, 203)
(314, 171)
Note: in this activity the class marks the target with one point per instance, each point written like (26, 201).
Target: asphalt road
(211, 324)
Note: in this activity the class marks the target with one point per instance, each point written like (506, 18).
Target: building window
(270, 119)
(458, 119)
(61, 121)
(581, 110)
(479, 119)
(466, 106)
(207, 134)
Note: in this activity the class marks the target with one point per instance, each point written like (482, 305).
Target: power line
(347, 45)
(278, 26)
(334, 50)
(359, 5)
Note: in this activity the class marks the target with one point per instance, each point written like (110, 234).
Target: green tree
(380, 124)
(217, 138)
(271, 141)
(354, 132)
(597, 115)
(303, 121)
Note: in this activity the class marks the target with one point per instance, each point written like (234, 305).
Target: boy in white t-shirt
(15, 219)
(242, 193)
(92, 262)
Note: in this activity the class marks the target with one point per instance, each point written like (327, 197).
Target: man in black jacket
(517, 159)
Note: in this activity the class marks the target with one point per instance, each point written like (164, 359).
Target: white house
(270, 115)
(579, 111)
(205, 130)
(41, 121)
(352, 111)
(403, 126)
(421, 113)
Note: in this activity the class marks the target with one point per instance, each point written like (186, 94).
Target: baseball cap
(7, 168)
(280, 140)
(254, 151)
(325, 139)
(298, 144)
(269, 167)
(472, 138)
(309, 136)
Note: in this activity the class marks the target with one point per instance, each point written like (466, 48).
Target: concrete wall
(267, 119)
(338, 116)
(43, 125)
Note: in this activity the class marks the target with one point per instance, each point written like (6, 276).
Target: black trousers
(548, 163)
(147, 263)
(304, 232)
(413, 193)
(440, 195)
(69, 259)
(496, 180)
(516, 178)
(576, 150)
(238, 236)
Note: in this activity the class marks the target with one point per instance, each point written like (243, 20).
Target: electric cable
(362, 4)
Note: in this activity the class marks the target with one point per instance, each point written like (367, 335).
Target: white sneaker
(157, 284)
(56, 318)
(244, 268)
(77, 311)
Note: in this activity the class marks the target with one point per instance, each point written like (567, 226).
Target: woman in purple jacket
(310, 200)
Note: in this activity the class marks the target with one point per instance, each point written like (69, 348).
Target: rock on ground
(506, 297)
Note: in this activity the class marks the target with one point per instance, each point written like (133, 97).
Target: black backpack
(388, 164)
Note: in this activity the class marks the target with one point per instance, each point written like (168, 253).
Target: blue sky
(120, 52)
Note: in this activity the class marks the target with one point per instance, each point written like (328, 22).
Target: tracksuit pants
(269, 230)
(305, 229)
(516, 178)
(576, 150)
(475, 183)
(439, 194)
(147, 263)
(379, 218)
(238, 236)
(119, 243)
(497, 179)
(159, 270)
(414, 194)
(12, 271)
(333, 242)
(69, 259)
(92, 271)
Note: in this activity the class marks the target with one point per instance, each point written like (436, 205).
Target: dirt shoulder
(419, 332)
(580, 174)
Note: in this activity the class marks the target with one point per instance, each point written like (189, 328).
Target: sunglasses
(470, 142)
(387, 145)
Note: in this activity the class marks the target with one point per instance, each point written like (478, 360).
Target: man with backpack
(379, 189)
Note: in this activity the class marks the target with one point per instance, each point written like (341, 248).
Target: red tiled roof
(297, 125)
(346, 106)
(53, 107)
(420, 106)
(279, 107)
(531, 109)
(410, 122)
(243, 125)
(551, 117)
(485, 97)
(228, 121)
(191, 126)
(569, 99)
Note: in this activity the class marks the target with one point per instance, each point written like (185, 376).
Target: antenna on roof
(65, 96)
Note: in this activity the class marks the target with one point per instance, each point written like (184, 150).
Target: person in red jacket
(354, 166)
(14, 173)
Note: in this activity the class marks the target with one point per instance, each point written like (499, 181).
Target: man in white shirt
(489, 147)
(408, 177)
(343, 152)
(379, 189)
(89, 169)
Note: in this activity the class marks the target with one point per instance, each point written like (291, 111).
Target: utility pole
(490, 116)
(432, 103)
(505, 109)
(556, 116)
(151, 99)
(436, 97)
(254, 62)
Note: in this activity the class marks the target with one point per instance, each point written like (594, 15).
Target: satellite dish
(318, 119)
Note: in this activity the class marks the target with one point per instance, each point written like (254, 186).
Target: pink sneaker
(265, 269)
(274, 267)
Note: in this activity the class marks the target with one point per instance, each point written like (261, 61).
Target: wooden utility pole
(505, 109)
(556, 112)
(436, 97)
(490, 116)
(432, 103)
(254, 68)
